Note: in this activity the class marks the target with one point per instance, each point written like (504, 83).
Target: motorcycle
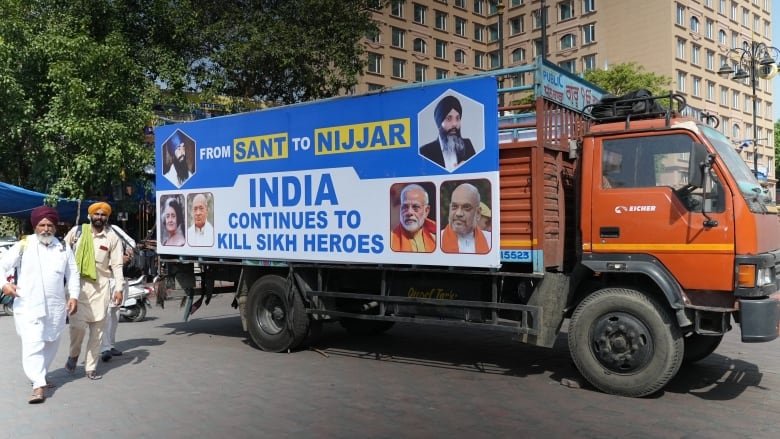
(133, 309)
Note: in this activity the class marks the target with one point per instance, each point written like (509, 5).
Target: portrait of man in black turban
(450, 149)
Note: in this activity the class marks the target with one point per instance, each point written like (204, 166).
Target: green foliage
(79, 79)
(777, 146)
(626, 77)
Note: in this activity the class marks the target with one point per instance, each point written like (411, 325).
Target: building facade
(687, 41)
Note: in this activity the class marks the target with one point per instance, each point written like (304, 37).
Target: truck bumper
(760, 319)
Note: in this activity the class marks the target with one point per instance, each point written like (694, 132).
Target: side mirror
(700, 159)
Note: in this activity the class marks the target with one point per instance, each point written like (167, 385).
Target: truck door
(643, 204)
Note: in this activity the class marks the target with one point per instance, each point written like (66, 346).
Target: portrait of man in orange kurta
(415, 232)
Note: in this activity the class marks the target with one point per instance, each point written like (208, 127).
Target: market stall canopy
(18, 202)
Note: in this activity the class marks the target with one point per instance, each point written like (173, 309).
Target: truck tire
(624, 343)
(698, 347)
(276, 318)
(365, 327)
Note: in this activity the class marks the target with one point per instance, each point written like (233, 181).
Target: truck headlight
(765, 276)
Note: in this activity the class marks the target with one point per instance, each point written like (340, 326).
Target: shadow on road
(716, 378)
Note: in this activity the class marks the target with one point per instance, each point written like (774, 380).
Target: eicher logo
(622, 209)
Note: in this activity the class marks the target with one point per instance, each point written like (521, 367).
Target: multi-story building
(687, 41)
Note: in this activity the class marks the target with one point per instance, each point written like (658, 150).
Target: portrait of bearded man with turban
(179, 170)
(450, 149)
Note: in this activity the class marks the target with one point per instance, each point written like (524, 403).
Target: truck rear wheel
(276, 317)
(698, 347)
(625, 343)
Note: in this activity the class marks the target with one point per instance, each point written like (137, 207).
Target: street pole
(500, 9)
(760, 61)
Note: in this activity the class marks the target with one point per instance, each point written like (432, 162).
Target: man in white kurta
(95, 294)
(46, 289)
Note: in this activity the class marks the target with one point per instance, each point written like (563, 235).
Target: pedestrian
(46, 289)
(129, 246)
(98, 253)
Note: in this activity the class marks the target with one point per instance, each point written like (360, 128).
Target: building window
(588, 6)
(479, 7)
(588, 62)
(568, 41)
(419, 45)
(722, 6)
(441, 20)
(398, 38)
(537, 47)
(747, 108)
(734, 40)
(514, 3)
(460, 26)
(735, 132)
(419, 72)
(745, 17)
(695, 54)
(724, 96)
(680, 14)
(419, 13)
(460, 56)
(566, 9)
(479, 59)
(493, 32)
(495, 61)
(735, 100)
(708, 28)
(694, 24)
(518, 81)
(460, 4)
(710, 91)
(680, 48)
(441, 49)
(589, 33)
(397, 8)
(568, 65)
(733, 15)
(374, 87)
(536, 17)
(518, 55)
(374, 37)
(680, 81)
(399, 66)
(517, 25)
(479, 32)
(374, 62)
(722, 36)
(696, 86)
(441, 74)
(710, 60)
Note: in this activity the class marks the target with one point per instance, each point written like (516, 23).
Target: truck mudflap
(759, 319)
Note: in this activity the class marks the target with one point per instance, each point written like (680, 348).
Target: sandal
(94, 375)
(70, 365)
(37, 397)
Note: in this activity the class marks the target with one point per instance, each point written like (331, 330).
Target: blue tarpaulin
(18, 202)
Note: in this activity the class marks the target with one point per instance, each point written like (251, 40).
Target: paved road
(202, 379)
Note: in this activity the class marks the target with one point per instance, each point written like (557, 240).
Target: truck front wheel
(699, 347)
(625, 343)
(276, 317)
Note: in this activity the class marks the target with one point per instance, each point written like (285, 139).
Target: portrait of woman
(172, 216)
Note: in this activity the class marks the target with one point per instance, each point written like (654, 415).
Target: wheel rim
(272, 314)
(621, 342)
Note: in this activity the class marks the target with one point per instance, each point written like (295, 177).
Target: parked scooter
(133, 309)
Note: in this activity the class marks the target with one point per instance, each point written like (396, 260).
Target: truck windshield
(757, 198)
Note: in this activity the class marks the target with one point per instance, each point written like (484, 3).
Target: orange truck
(429, 204)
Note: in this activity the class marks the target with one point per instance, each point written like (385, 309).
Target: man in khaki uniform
(99, 258)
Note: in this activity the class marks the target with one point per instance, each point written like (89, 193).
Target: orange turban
(100, 205)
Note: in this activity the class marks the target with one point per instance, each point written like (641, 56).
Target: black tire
(9, 308)
(138, 314)
(365, 327)
(698, 347)
(276, 319)
(624, 343)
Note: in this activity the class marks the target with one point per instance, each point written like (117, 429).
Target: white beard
(46, 238)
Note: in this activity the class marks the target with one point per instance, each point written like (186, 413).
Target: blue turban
(174, 143)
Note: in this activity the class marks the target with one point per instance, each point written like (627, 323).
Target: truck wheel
(624, 343)
(275, 324)
(365, 327)
(698, 347)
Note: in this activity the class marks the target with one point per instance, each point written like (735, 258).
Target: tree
(282, 50)
(79, 79)
(626, 77)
